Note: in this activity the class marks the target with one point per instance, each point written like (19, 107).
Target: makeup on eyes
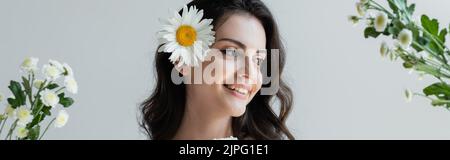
(233, 53)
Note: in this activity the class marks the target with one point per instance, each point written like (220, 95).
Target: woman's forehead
(245, 29)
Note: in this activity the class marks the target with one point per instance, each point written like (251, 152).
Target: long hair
(163, 111)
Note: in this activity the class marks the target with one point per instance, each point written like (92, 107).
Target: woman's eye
(230, 52)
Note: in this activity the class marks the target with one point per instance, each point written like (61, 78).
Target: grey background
(343, 88)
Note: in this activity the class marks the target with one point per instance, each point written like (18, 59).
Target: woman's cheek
(258, 83)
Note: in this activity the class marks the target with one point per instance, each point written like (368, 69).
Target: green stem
(39, 110)
(417, 94)
(11, 130)
(39, 91)
(434, 65)
(437, 41)
(47, 128)
(3, 125)
(31, 90)
(434, 54)
(30, 84)
(380, 7)
(60, 89)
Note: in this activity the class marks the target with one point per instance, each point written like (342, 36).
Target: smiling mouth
(239, 90)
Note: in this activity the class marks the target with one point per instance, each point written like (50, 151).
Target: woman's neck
(199, 123)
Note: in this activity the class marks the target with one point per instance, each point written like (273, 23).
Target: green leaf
(19, 95)
(393, 30)
(422, 41)
(39, 117)
(33, 133)
(401, 4)
(393, 6)
(434, 47)
(396, 28)
(26, 85)
(440, 90)
(442, 35)
(37, 107)
(371, 32)
(431, 26)
(411, 8)
(36, 120)
(407, 65)
(52, 86)
(46, 110)
(65, 101)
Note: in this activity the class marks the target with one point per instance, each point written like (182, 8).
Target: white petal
(169, 28)
(185, 57)
(170, 37)
(171, 47)
(177, 16)
(205, 23)
(175, 56)
(198, 50)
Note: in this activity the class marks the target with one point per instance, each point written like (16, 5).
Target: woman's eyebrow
(240, 44)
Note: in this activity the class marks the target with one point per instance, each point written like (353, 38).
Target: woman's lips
(239, 90)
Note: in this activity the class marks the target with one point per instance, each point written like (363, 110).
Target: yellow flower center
(26, 63)
(50, 97)
(186, 35)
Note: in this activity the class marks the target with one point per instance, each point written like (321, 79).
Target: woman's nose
(248, 71)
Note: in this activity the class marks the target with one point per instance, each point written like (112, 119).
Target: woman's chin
(237, 110)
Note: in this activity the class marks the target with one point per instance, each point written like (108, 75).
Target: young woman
(233, 105)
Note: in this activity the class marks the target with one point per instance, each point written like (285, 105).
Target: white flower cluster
(48, 96)
(380, 21)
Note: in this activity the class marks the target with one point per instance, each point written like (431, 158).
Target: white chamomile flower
(408, 95)
(38, 83)
(381, 21)
(10, 112)
(384, 49)
(24, 116)
(51, 72)
(187, 37)
(29, 64)
(405, 38)
(61, 119)
(22, 132)
(67, 70)
(361, 9)
(49, 98)
(71, 85)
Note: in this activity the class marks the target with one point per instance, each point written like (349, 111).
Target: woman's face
(240, 50)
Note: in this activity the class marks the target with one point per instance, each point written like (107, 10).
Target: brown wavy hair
(162, 112)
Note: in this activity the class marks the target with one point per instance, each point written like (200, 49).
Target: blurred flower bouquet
(419, 43)
(33, 100)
